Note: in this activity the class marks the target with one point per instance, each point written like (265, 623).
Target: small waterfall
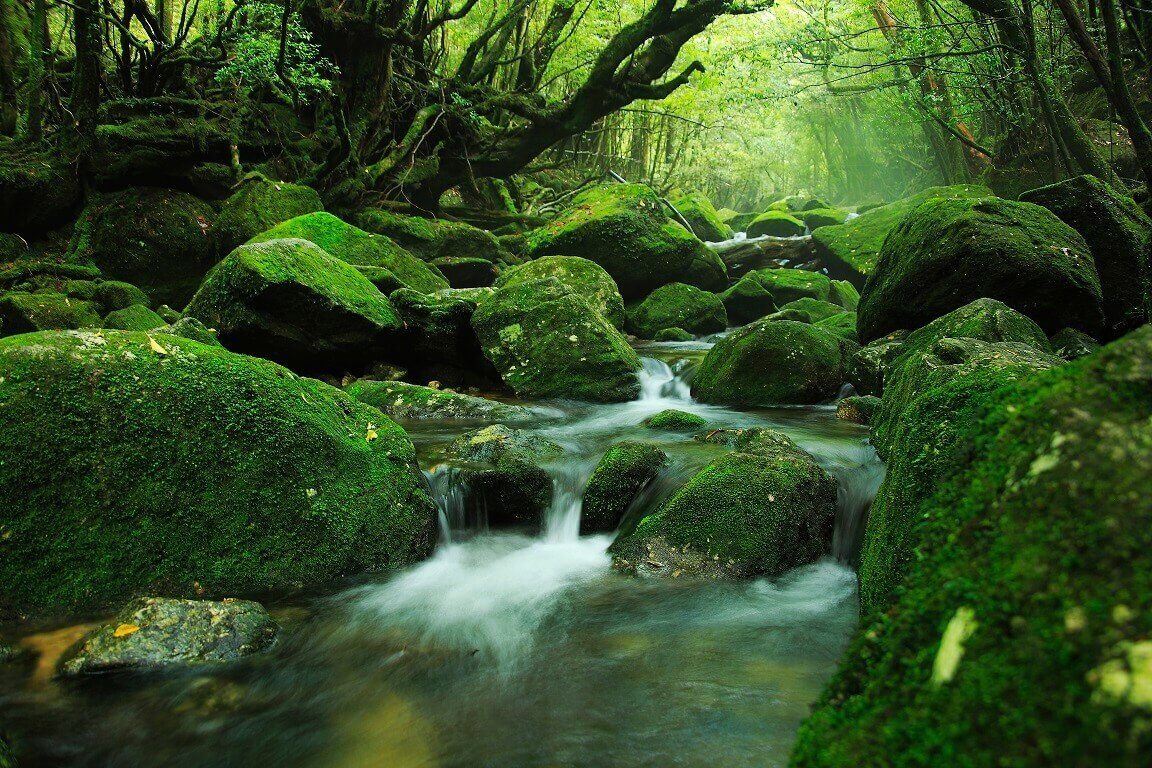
(562, 519)
(659, 382)
(458, 510)
(858, 476)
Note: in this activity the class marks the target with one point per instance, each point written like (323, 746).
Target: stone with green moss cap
(359, 248)
(134, 318)
(787, 285)
(26, 312)
(747, 300)
(773, 362)
(401, 400)
(434, 238)
(549, 341)
(674, 420)
(621, 473)
(776, 224)
(207, 471)
(822, 217)
(625, 229)
(947, 253)
(581, 275)
(807, 310)
(1020, 634)
(843, 324)
(289, 301)
(673, 334)
(761, 510)
(704, 219)
(501, 467)
(258, 205)
(677, 305)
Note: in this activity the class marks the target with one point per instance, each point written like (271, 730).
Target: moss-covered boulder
(857, 408)
(822, 217)
(503, 473)
(414, 402)
(842, 324)
(581, 275)
(438, 342)
(134, 318)
(787, 285)
(747, 300)
(289, 301)
(152, 463)
(26, 312)
(844, 293)
(1020, 633)
(466, 271)
(850, 251)
(704, 219)
(674, 420)
(673, 335)
(158, 239)
(1071, 344)
(758, 511)
(39, 190)
(151, 634)
(625, 229)
(191, 328)
(620, 475)
(949, 252)
(677, 305)
(867, 366)
(258, 205)
(807, 310)
(776, 224)
(1119, 234)
(434, 238)
(357, 247)
(548, 341)
(773, 362)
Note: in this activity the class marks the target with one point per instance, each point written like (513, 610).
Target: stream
(505, 648)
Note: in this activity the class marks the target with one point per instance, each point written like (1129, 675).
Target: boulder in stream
(788, 285)
(747, 300)
(674, 420)
(622, 472)
(155, 633)
(677, 305)
(501, 469)
(581, 275)
(412, 401)
(776, 224)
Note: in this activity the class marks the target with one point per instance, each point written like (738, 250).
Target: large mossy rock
(26, 312)
(581, 275)
(776, 224)
(625, 229)
(158, 239)
(1020, 635)
(761, 510)
(359, 248)
(547, 340)
(747, 300)
(503, 473)
(619, 476)
(949, 252)
(412, 401)
(289, 301)
(704, 219)
(822, 217)
(39, 191)
(152, 634)
(1119, 234)
(134, 318)
(773, 362)
(788, 285)
(258, 205)
(807, 311)
(851, 250)
(137, 463)
(677, 305)
(434, 238)
(438, 342)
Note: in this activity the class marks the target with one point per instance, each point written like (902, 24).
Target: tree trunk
(85, 99)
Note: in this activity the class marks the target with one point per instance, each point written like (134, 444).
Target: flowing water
(506, 648)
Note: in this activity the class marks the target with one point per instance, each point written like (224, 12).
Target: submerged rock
(947, 253)
(258, 205)
(672, 420)
(625, 229)
(549, 341)
(623, 471)
(411, 401)
(761, 510)
(208, 473)
(677, 305)
(584, 277)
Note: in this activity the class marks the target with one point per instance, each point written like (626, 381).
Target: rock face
(289, 301)
(759, 511)
(625, 229)
(548, 341)
(466, 271)
(777, 224)
(773, 362)
(1020, 633)
(438, 343)
(194, 470)
(947, 253)
(705, 221)
(584, 277)
(154, 633)
(158, 239)
(502, 471)
(359, 248)
(411, 401)
(622, 472)
(1119, 235)
(677, 305)
(257, 206)
(851, 250)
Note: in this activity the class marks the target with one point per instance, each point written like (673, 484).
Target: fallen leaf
(371, 433)
(156, 346)
(125, 629)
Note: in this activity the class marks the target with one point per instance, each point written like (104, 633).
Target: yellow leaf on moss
(125, 629)
(371, 433)
(156, 346)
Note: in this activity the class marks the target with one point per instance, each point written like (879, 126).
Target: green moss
(704, 219)
(1037, 542)
(673, 334)
(1119, 234)
(39, 191)
(850, 251)
(432, 239)
(858, 408)
(754, 512)
(134, 318)
(625, 229)
(290, 301)
(776, 224)
(844, 293)
(747, 300)
(157, 239)
(842, 324)
(191, 328)
(677, 305)
(672, 420)
(585, 277)
(411, 401)
(548, 341)
(773, 362)
(189, 468)
(1071, 344)
(258, 205)
(807, 310)
(822, 217)
(503, 473)
(787, 285)
(949, 252)
(357, 247)
(26, 312)
(621, 473)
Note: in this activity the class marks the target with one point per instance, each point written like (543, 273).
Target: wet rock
(623, 471)
(154, 633)
(677, 305)
(503, 473)
(672, 420)
(439, 343)
(867, 366)
(411, 401)
(673, 334)
(858, 408)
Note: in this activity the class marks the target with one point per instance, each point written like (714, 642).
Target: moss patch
(678, 306)
(621, 473)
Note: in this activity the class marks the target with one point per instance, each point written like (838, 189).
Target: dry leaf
(156, 346)
(371, 433)
(125, 629)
